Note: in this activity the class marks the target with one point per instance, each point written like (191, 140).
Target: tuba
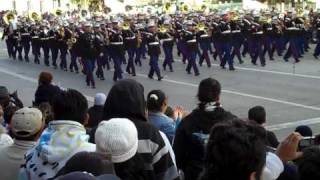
(8, 17)
(58, 12)
(33, 16)
(163, 29)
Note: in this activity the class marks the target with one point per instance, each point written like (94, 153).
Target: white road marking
(268, 71)
(293, 124)
(244, 94)
(274, 127)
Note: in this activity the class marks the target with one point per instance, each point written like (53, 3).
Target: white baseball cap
(118, 138)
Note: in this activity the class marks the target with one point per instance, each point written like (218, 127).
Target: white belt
(319, 29)
(154, 43)
(226, 32)
(168, 39)
(130, 38)
(269, 29)
(192, 41)
(44, 38)
(204, 36)
(15, 37)
(116, 43)
(35, 37)
(260, 32)
(25, 34)
(236, 31)
(292, 29)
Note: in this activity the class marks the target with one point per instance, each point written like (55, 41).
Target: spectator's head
(100, 99)
(45, 78)
(95, 164)
(235, 150)
(8, 113)
(126, 100)
(209, 91)
(4, 96)
(46, 110)
(27, 124)
(309, 163)
(157, 101)
(305, 131)
(170, 112)
(257, 114)
(70, 105)
(117, 138)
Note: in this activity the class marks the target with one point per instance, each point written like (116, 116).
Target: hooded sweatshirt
(187, 147)
(58, 143)
(126, 100)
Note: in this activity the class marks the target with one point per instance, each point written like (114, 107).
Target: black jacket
(189, 153)
(45, 93)
(96, 114)
(126, 100)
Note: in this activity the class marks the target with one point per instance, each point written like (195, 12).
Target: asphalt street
(288, 91)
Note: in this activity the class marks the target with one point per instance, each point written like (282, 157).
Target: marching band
(98, 41)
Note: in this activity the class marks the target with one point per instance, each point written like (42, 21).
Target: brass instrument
(167, 7)
(58, 12)
(33, 16)
(163, 29)
(201, 26)
(61, 33)
(8, 17)
(125, 26)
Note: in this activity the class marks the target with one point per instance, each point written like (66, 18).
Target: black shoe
(254, 63)
(263, 65)
(160, 78)
(150, 77)
(71, 70)
(222, 67)
(286, 60)
(315, 56)
(297, 60)
(134, 74)
(232, 68)
(241, 62)
(197, 74)
(102, 79)
(93, 87)
(272, 59)
(171, 70)
(20, 58)
(188, 72)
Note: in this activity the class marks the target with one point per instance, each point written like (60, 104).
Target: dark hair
(45, 78)
(257, 114)
(70, 105)
(235, 149)
(305, 131)
(46, 110)
(169, 112)
(131, 169)
(309, 163)
(209, 91)
(90, 162)
(8, 112)
(155, 100)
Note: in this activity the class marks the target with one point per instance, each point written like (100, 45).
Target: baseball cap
(26, 122)
(100, 99)
(117, 137)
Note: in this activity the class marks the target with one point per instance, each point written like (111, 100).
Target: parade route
(289, 92)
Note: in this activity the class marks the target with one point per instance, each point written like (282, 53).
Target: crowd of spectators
(129, 137)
